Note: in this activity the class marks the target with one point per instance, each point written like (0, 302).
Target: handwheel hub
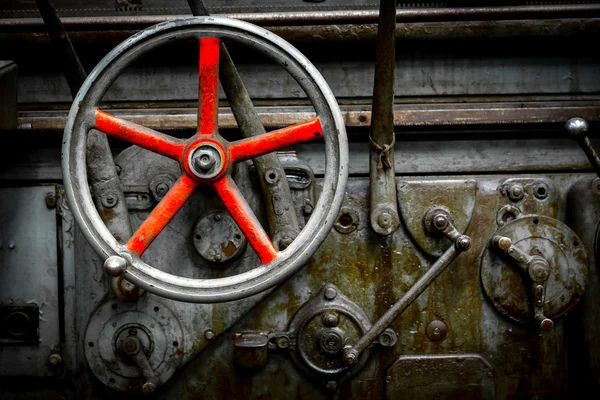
(206, 161)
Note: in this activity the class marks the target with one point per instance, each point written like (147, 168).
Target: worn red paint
(139, 135)
(276, 140)
(162, 214)
(208, 82)
(244, 216)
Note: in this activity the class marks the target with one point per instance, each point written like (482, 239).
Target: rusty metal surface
(8, 95)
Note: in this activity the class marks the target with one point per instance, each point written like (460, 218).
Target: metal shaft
(409, 297)
(282, 226)
(384, 206)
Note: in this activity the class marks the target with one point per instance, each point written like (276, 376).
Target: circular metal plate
(217, 237)
(509, 287)
(158, 330)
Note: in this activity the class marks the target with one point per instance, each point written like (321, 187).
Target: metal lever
(441, 222)
(538, 269)
(132, 347)
(577, 130)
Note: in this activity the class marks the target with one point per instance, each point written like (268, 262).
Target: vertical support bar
(283, 223)
(384, 205)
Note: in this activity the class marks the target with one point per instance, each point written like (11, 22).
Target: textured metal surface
(441, 377)
(509, 289)
(30, 274)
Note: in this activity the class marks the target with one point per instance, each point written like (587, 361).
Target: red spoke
(208, 91)
(258, 145)
(162, 214)
(243, 215)
(139, 135)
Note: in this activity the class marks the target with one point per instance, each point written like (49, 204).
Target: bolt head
(516, 192)
(50, 200)
(330, 293)
(162, 189)
(350, 357)
(205, 161)
(283, 342)
(546, 324)
(384, 220)
(576, 128)
(209, 334)
(54, 359)
(440, 222)
(126, 286)
(436, 331)
(115, 265)
(331, 319)
(148, 388)
(463, 243)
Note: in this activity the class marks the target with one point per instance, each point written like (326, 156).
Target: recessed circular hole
(114, 306)
(175, 343)
(508, 216)
(156, 309)
(238, 236)
(197, 237)
(111, 380)
(575, 243)
(536, 221)
(91, 344)
(362, 118)
(272, 176)
(541, 191)
(496, 299)
(345, 220)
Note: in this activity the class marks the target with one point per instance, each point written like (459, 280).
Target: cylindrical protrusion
(503, 243)
(115, 265)
(350, 356)
(463, 243)
(148, 388)
(546, 324)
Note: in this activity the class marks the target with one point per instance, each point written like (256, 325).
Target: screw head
(436, 331)
(209, 334)
(126, 286)
(115, 265)
(384, 220)
(109, 200)
(330, 293)
(50, 200)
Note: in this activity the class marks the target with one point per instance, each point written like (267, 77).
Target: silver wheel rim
(264, 276)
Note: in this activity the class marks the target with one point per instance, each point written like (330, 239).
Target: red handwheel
(206, 159)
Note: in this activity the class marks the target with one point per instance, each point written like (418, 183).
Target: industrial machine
(243, 199)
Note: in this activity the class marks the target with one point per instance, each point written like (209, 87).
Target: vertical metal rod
(283, 226)
(384, 205)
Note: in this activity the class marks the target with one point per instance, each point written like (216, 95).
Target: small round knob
(576, 128)
(115, 265)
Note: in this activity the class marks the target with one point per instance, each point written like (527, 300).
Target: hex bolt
(204, 162)
(388, 338)
(115, 265)
(440, 222)
(209, 334)
(463, 243)
(283, 342)
(516, 192)
(330, 293)
(330, 319)
(50, 200)
(54, 359)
